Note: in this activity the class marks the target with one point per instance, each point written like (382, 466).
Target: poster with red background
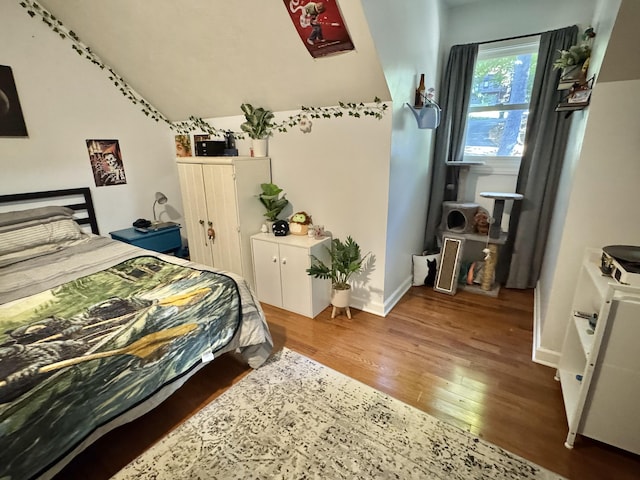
(320, 26)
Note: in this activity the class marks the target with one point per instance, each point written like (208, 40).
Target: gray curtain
(449, 142)
(545, 143)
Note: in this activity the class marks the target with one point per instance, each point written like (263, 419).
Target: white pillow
(39, 213)
(33, 233)
(425, 268)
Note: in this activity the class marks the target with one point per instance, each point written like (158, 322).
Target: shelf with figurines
(578, 97)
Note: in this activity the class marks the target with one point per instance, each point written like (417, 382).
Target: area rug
(294, 418)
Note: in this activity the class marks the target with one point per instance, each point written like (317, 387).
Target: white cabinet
(221, 193)
(280, 265)
(599, 368)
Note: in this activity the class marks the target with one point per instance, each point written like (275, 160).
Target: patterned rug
(293, 418)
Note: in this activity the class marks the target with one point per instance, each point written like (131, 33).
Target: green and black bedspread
(76, 356)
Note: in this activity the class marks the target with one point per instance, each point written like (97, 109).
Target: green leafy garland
(355, 110)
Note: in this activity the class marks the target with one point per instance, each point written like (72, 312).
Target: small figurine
(481, 222)
(280, 228)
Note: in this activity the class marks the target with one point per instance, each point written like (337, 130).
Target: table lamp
(161, 198)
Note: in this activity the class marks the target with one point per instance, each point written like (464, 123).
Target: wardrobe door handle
(211, 233)
(284, 261)
(274, 259)
(204, 232)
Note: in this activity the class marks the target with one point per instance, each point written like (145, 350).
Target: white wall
(602, 207)
(604, 198)
(403, 58)
(339, 174)
(66, 100)
(553, 294)
(496, 19)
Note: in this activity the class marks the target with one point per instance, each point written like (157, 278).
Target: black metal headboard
(61, 198)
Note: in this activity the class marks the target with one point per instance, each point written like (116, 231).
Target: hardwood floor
(464, 359)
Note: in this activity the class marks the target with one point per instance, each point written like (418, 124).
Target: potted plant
(346, 260)
(572, 61)
(272, 201)
(258, 126)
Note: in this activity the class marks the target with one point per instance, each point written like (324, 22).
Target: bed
(96, 332)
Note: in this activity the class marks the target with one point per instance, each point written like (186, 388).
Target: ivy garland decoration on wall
(194, 124)
(301, 119)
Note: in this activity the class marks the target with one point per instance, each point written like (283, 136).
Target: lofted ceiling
(622, 61)
(207, 57)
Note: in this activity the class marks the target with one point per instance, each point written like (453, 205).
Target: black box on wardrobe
(210, 148)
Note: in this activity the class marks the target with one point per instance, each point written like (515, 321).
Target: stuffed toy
(299, 223)
(280, 228)
(482, 222)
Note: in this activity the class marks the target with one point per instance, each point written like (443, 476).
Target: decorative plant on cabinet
(346, 260)
(258, 126)
(272, 201)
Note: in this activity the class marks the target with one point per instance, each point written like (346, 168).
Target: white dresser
(220, 193)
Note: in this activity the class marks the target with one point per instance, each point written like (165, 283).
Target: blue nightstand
(165, 240)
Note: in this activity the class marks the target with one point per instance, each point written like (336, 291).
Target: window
(499, 104)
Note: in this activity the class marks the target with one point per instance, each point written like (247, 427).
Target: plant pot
(340, 298)
(269, 224)
(260, 147)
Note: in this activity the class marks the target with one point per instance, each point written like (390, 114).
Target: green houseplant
(258, 121)
(272, 201)
(575, 56)
(346, 260)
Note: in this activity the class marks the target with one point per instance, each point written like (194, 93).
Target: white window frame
(508, 165)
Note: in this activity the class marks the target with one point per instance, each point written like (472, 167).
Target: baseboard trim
(540, 355)
(395, 297)
(378, 308)
(367, 306)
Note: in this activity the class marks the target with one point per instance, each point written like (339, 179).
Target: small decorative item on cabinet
(299, 223)
(230, 149)
(280, 228)
(318, 231)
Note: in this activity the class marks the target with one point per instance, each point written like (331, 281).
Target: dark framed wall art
(11, 119)
(106, 162)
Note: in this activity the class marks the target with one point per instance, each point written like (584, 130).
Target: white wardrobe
(222, 209)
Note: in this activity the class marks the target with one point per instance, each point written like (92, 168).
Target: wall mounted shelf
(427, 116)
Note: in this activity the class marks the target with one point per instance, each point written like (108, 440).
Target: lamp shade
(161, 198)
